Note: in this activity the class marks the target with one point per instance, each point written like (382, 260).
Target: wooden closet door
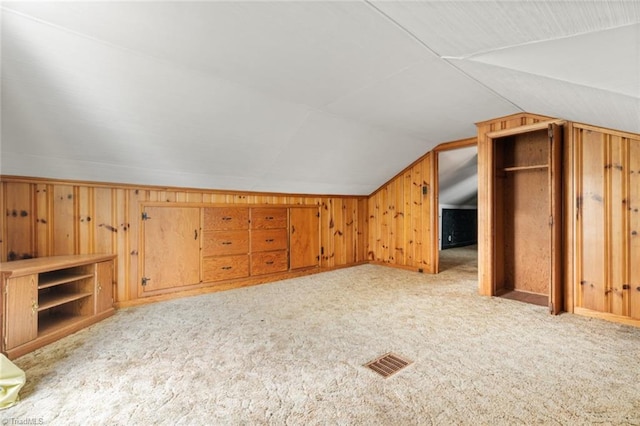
(555, 217)
(304, 244)
(171, 255)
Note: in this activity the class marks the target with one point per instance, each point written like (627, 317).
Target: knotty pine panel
(592, 292)
(65, 230)
(617, 219)
(400, 218)
(607, 220)
(43, 228)
(633, 230)
(85, 217)
(3, 231)
(19, 215)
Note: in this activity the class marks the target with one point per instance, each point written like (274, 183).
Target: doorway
(456, 199)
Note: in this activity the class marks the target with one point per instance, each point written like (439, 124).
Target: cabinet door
(555, 214)
(304, 244)
(21, 310)
(171, 254)
(104, 286)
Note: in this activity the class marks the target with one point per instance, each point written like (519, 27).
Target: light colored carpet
(292, 353)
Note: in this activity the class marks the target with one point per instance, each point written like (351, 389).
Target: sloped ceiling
(296, 97)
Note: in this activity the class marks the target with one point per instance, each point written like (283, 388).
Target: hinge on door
(318, 214)
(550, 220)
(550, 132)
(145, 216)
(145, 280)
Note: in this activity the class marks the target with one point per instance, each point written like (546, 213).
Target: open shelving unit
(50, 297)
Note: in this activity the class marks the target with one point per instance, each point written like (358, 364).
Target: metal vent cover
(388, 364)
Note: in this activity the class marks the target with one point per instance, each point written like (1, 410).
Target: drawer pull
(270, 240)
(269, 262)
(227, 218)
(269, 217)
(226, 268)
(226, 243)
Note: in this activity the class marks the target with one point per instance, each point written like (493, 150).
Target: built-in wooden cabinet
(225, 244)
(198, 246)
(48, 298)
(304, 235)
(269, 240)
(522, 206)
(171, 244)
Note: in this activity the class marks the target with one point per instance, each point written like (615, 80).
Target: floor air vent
(388, 364)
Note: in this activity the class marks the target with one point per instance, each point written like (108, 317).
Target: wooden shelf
(54, 280)
(534, 167)
(52, 323)
(50, 300)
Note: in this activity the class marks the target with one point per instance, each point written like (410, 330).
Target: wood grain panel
(592, 277)
(85, 228)
(339, 252)
(129, 289)
(526, 232)
(633, 230)
(44, 218)
(20, 215)
(617, 222)
(349, 240)
(64, 225)
(399, 219)
(103, 220)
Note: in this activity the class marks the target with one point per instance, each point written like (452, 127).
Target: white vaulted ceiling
(298, 97)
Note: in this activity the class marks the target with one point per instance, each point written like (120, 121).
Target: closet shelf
(534, 167)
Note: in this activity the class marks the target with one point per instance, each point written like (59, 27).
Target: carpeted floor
(292, 353)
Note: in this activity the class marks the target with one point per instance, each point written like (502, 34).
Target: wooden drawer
(268, 218)
(268, 239)
(220, 268)
(269, 262)
(219, 243)
(224, 218)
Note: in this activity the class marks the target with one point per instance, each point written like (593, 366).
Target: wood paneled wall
(401, 215)
(606, 209)
(47, 217)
